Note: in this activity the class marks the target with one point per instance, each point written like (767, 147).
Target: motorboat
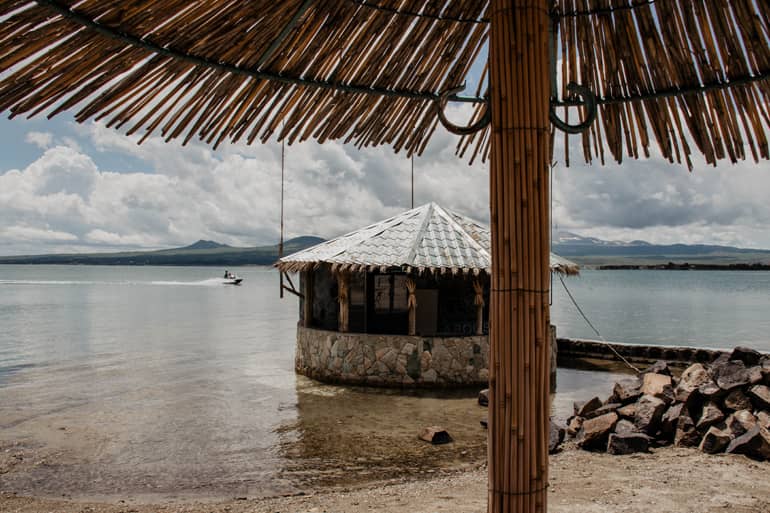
(231, 279)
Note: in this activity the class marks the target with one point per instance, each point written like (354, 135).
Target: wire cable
(574, 302)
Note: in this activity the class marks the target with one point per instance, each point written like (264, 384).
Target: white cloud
(42, 140)
(233, 195)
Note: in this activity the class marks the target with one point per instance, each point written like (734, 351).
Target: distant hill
(597, 252)
(203, 252)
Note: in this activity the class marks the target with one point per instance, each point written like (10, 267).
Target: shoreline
(673, 480)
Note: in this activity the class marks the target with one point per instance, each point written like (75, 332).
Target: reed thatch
(684, 74)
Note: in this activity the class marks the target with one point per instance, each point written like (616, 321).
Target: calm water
(149, 381)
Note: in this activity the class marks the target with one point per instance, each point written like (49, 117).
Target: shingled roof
(426, 238)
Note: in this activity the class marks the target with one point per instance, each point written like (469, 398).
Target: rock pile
(719, 407)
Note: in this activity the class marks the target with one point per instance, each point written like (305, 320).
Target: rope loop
(481, 124)
(589, 102)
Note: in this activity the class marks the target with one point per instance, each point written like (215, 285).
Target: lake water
(148, 382)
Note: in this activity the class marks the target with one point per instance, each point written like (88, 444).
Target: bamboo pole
(478, 300)
(520, 156)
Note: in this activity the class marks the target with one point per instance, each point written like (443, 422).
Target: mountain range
(598, 252)
(587, 251)
(203, 252)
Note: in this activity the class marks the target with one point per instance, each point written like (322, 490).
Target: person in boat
(227, 274)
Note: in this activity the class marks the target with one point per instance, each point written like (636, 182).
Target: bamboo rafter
(370, 72)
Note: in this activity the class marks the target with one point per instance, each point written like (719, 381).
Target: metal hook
(481, 124)
(589, 102)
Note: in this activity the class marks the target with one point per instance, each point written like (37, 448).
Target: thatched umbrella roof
(428, 238)
(674, 73)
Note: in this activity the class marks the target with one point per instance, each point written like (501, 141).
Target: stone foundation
(395, 360)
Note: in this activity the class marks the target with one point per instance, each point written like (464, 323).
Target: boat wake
(210, 282)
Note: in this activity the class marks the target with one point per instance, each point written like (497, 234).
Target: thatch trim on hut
(426, 239)
(374, 72)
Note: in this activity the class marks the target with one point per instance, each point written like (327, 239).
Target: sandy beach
(670, 480)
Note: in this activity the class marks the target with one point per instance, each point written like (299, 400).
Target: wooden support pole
(519, 313)
(343, 282)
(411, 288)
(478, 300)
(307, 314)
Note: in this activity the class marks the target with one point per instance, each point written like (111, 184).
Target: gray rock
(715, 440)
(583, 408)
(649, 411)
(435, 435)
(624, 427)
(746, 355)
(760, 395)
(693, 377)
(484, 397)
(594, 433)
(556, 436)
(669, 420)
(730, 375)
(710, 415)
(686, 434)
(740, 422)
(628, 443)
(658, 385)
(628, 390)
(659, 367)
(755, 443)
(607, 408)
(737, 400)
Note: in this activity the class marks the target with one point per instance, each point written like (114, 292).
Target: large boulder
(694, 376)
(729, 375)
(686, 434)
(582, 409)
(755, 375)
(649, 410)
(740, 422)
(624, 427)
(628, 390)
(715, 440)
(710, 415)
(574, 425)
(670, 419)
(737, 400)
(659, 367)
(760, 395)
(755, 443)
(746, 355)
(628, 411)
(556, 436)
(763, 419)
(658, 385)
(594, 433)
(627, 443)
(602, 410)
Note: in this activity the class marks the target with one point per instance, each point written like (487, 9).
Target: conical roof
(426, 238)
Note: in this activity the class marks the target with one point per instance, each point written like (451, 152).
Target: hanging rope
(580, 310)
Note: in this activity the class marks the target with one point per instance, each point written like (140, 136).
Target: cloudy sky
(69, 187)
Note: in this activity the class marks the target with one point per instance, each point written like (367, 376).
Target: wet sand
(668, 480)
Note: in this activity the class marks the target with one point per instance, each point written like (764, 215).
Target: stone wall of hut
(392, 360)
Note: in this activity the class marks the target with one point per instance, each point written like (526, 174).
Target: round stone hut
(403, 302)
